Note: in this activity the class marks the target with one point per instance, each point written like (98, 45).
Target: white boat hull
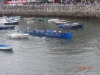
(8, 22)
(28, 19)
(52, 20)
(19, 36)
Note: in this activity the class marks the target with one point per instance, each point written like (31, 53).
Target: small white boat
(61, 22)
(30, 18)
(5, 47)
(7, 21)
(19, 36)
(53, 20)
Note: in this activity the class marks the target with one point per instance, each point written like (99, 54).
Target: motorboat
(5, 47)
(29, 20)
(71, 25)
(4, 21)
(18, 35)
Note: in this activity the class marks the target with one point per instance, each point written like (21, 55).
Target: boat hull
(52, 20)
(67, 35)
(11, 23)
(19, 36)
(5, 47)
(58, 23)
(28, 19)
(7, 27)
(69, 26)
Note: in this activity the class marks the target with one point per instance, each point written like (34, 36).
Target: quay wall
(72, 11)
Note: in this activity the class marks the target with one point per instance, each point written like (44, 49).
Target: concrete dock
(72, 11)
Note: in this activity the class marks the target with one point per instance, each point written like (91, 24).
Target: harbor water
(52, 56)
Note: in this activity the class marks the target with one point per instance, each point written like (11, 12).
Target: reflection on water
(52, 56)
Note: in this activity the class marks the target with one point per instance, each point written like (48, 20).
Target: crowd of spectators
(83, 2)
(51, 2)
